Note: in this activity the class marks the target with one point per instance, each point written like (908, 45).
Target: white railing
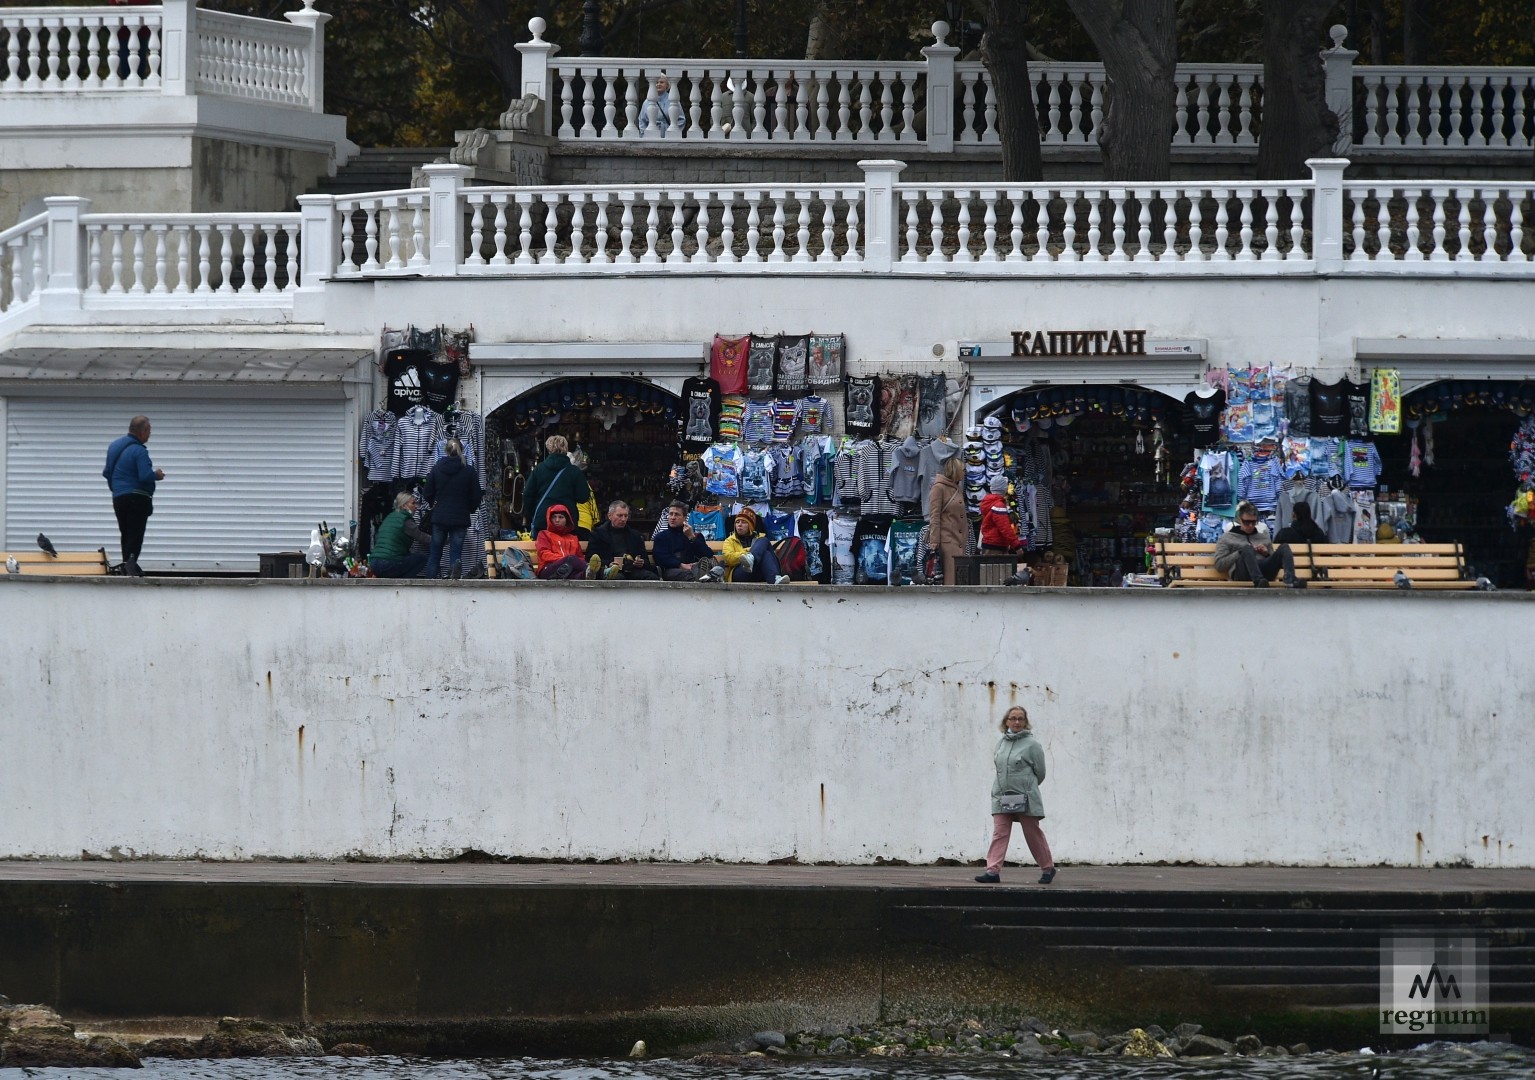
(186, 254)
(253, 59)
(1399, 226)
(1037, 224)
(1445, 108)
(23, 262)
(171, 49)
(58, 50)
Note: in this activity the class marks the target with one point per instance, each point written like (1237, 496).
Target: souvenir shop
(1088, 470)
(400, 441)
(839, 458)
(1372, 465)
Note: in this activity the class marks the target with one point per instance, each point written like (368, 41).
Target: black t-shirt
(1204, 416)
(1358, 408)
(439, 385)
(761, 362)
(1329, 409)
(700, 412)
(861, 405)
(402, 370)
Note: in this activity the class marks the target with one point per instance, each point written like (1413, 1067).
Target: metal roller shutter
(241, 476)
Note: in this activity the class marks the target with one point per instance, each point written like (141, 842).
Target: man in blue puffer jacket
(131, 477)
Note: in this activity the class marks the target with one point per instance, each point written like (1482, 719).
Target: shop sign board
(1079, 343)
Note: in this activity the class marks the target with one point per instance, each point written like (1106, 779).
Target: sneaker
(1261, 583)
(594, 566)
(716, 573)
(988, 878)
(1047, 877)
(611, 572)
(782, 579)
(562, 572)
(1297, 583)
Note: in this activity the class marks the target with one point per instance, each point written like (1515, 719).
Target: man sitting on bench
(620, 548)
(1247, 553)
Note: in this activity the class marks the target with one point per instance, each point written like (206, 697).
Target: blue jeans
(764, 563)
(455, 539)
(405, 566)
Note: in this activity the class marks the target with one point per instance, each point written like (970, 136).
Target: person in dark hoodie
(454, 492)
(619, 549)
(556, 479)
(681, 554)
(559, 548)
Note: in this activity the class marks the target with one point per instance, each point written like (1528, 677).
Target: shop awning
(1428, 361)
(176, 354)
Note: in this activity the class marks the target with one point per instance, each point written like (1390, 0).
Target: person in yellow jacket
(747, 554)
(588, 517)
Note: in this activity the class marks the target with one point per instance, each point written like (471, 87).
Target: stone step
(379, 169)
(1500, 961)
(1503, 939)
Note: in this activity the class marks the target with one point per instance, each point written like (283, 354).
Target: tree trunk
(1004, 51)
(1414, 31)
(1297, 123)
(1138, 41)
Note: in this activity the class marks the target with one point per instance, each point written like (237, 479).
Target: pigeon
(47, 545)
(11, 565)
(1485, 585)
(1402, 580)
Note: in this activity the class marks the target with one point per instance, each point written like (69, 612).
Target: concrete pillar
(314, 66)
(1327, 212)
(536, 80)
(319, 254)
(178, 48)
(446, 244)
(1338, 66)
(880, 211)
(940, 91)
(66, 268)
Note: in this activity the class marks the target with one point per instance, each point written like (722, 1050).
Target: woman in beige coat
(948, 524)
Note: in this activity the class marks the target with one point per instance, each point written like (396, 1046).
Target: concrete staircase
(379, 169)
(1307, 949)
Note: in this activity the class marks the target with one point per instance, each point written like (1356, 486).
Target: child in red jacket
(998, 533)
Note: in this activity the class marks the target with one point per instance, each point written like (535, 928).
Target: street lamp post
(740, 29)
(591, 28)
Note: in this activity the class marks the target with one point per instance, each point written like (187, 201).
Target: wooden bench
(1329, 566)
(65, 563)
(530, 548)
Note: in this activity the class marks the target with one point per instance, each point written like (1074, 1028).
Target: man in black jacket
(621, 549)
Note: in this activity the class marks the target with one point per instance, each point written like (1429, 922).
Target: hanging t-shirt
(905, 558)
(812, 530)
(871, 550)
(793, 377)
(754, 476)
(1329, 408)
(402, 370)
(727, 363)
(1204, 416)
(700, 412)
(722, 470)
(1297, 405)
(1358, 395)
(825, 363)
(932, 420)
(861, 408)
(708, 522)
(814, 416)
(840, 530)
(1361, 465)
(778, 525)
(439, 385)
(1385, 401)
(761, 358)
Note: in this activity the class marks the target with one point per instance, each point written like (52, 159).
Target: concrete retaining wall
(246, 719)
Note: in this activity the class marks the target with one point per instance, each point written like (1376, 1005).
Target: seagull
(1402, 580)
(47, 545)
(11, 565)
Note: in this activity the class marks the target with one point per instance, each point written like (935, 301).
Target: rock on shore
(37, 1037)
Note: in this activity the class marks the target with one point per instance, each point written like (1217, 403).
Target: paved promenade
(611, 875)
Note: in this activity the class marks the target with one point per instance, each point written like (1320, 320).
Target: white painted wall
(236, 720)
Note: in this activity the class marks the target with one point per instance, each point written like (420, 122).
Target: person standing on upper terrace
(131, 477)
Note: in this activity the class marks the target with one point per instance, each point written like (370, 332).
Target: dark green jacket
(553, 481)
(391, 542)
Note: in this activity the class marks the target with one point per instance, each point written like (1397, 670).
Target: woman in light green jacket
(1020, 762)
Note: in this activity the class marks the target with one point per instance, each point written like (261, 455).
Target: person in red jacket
(559, 549)
(998, 533)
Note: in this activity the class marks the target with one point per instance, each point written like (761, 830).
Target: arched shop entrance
(1451, 460)
(1100, 465)
(623, 431)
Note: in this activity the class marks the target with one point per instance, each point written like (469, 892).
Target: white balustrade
(1474, 226)
(57, 50)
(253, 59)
(384, 233)
(185, 255)
(23, 250)
(1445, 108)
(1051, 224)
(735, 101)
(513, 230)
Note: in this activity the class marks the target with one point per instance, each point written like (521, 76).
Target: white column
(444, 183)
(536, 55)
(314, 67)
(1327, 222)
(178, 48)
(319, 253)
(1338, 69)
(940, 91)
(880, 245)
(65, 251)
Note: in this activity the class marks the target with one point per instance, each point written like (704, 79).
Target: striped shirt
(415, 442)
(375, 446)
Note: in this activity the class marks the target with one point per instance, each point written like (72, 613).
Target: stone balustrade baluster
(753, 227)
(847, 94)
(1017, 197)
(269, 236)
(1383, 226)
(390, 212)
(1270, 197)
(854, 254)
(1042, 203)
(1181, 115)
(1463, 252)
(1196, 252)
(652, 253)
(1223, 135)
(828, 251)
(1474, 87)
(1297, 224)
(1052, 132)
(706, 200)
(1222, 252)
(824, 83)
(678, 253)
(1245, 251)
(248, 260)
(1439, 196)
(1490, 225)
(187, 239)
(1202, 135)
(989, 227)
(1143, 226)
(1244, 133)
(1414, 252)
(935, 222)
(727, 228)
(1093, 253)
(1169, 226)
(135, 236)
(1069, 251)
(157, 235)
(779, 198)
(1516, 198)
